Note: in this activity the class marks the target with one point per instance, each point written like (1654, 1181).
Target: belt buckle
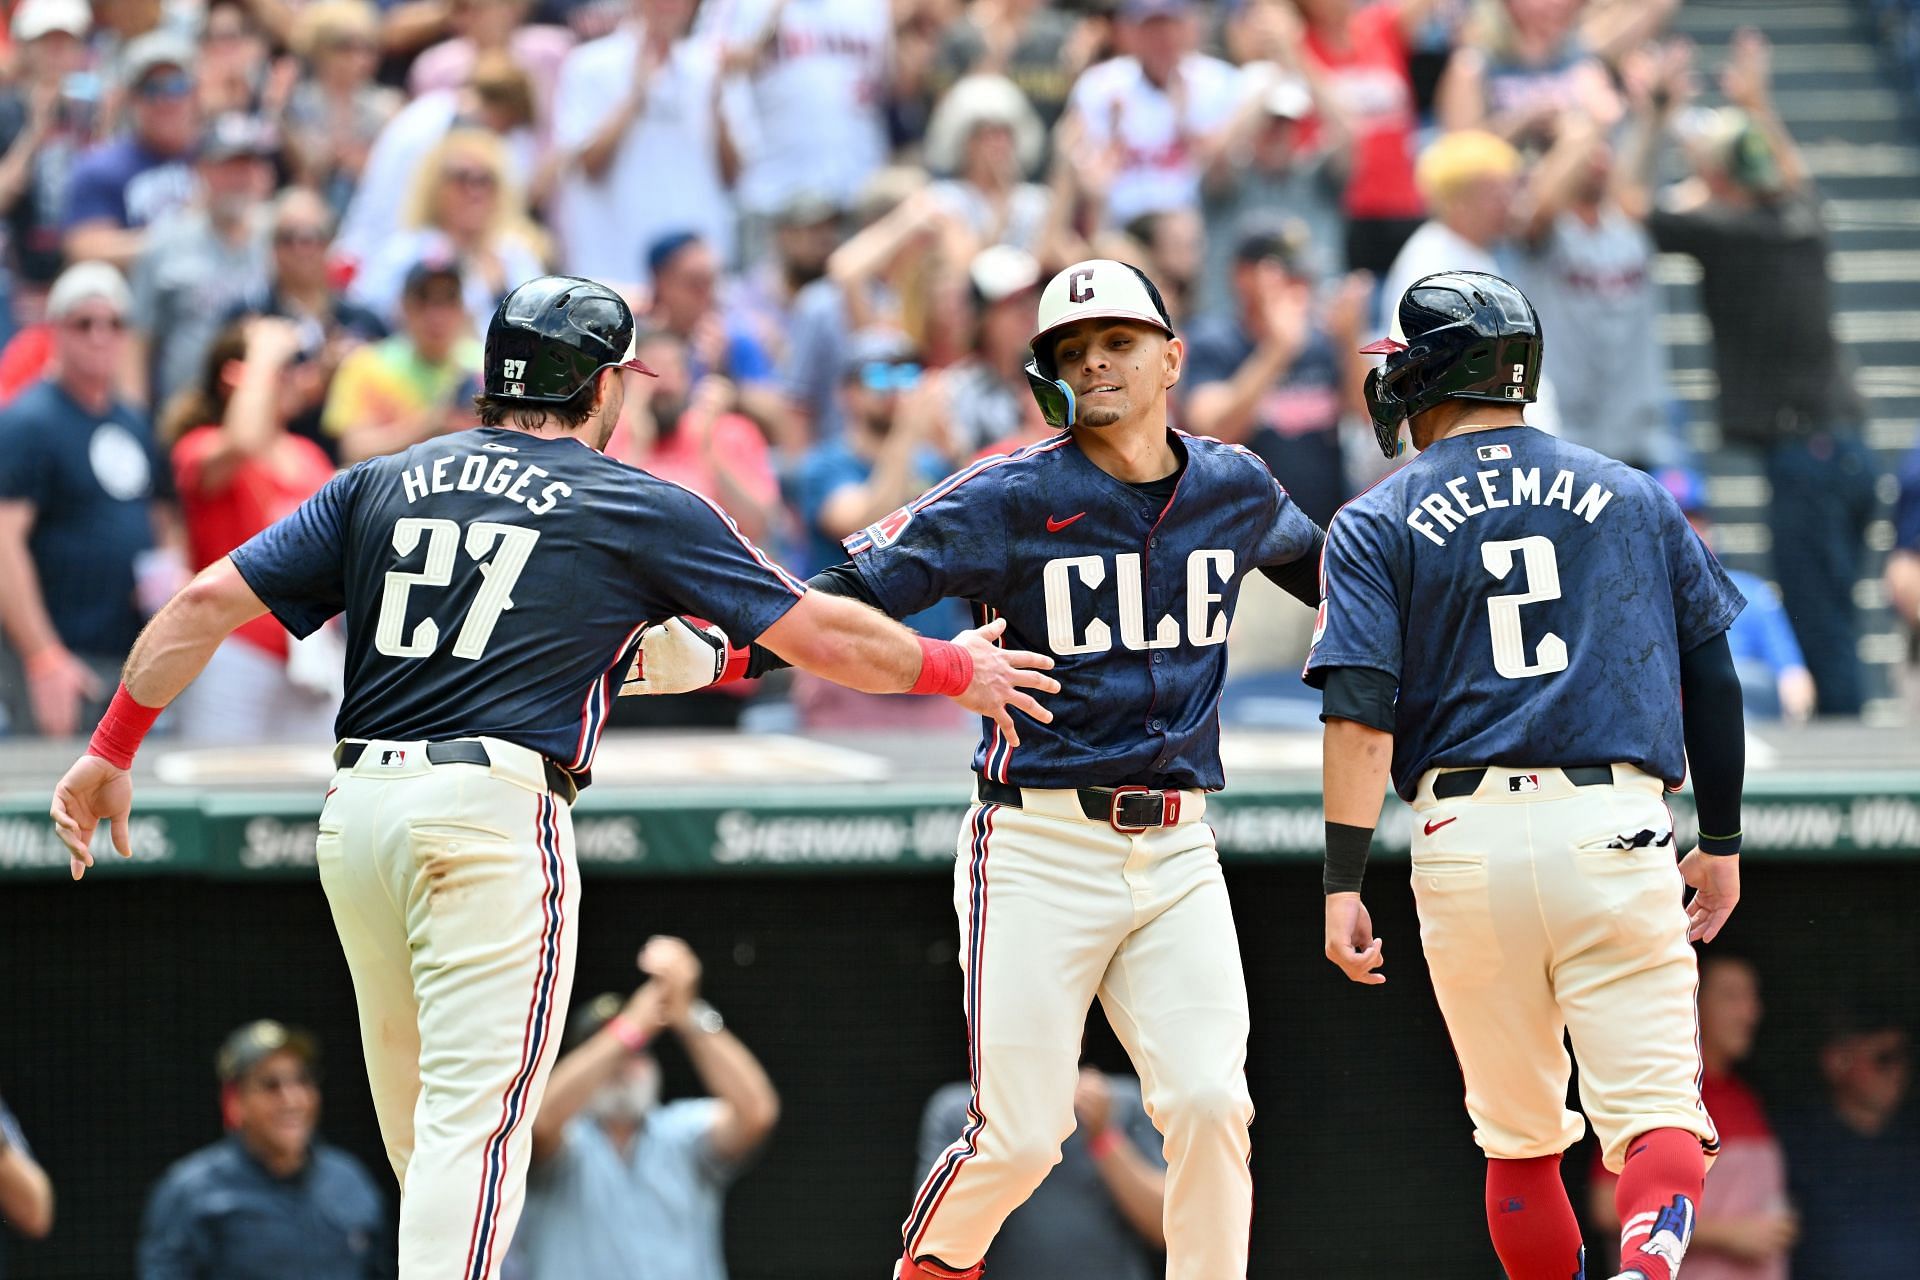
(1169, 809)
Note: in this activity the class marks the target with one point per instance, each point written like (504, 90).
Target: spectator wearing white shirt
(646, 147)
(1163, 110)
(818, 76)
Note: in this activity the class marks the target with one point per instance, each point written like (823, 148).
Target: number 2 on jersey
(1503, 612)
(443, 539)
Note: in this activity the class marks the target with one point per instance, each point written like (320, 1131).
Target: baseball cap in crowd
(1267, 240)
(85, 281)
(589, 1018)
(661, 251)
(1001, 271)
(975, 101)
(36, 18)
(154, 51)
(807, 209)
(1141, 10)
(435, 269)
(254, 1043)
(234, 134)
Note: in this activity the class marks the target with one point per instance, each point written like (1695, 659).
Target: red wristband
(1103, 1144)
(735, 667)
(626, 1033)
(122, 729)
(945, 668)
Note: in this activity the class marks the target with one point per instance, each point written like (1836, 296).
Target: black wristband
(1720, 846)
(1346, 864)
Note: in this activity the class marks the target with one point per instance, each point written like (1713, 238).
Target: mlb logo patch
(1520, 783)
(392, 759)
(1495, 452)
(886, 531)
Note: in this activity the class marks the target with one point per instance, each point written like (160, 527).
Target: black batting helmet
(549, 337)
(1469, 336)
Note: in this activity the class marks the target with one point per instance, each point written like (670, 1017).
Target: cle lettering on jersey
(1434, 515)
(490, 471)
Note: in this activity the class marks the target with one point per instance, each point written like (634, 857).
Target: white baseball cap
(36, 18)
(87, 280)
(1098, 288)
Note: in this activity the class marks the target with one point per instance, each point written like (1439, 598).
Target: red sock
(1658, 1194)
(1531, 1220)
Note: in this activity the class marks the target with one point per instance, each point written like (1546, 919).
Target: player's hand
(1092, 1102)
(91, 790)
(57, 685)
(1000, 677)
(1716, 891)
(676, 656)
(1350, 940)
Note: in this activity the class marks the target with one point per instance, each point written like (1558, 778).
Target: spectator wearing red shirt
(1362, 55)
(239, 469)
(1746, 1226)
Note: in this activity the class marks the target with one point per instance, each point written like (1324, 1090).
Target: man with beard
(1085, 867)
(624, 1184)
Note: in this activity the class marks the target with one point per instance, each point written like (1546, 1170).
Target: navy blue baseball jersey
(1131, 595)
(495, 582)
(1531, 597)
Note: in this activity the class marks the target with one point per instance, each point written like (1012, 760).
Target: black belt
(1130, 808)
(467, 751)
(1464, 782)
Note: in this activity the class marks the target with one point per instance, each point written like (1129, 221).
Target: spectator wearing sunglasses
(466, 207)
(77, 514)
(198, 264)
(1855, 1167)
(267, 1201)
(122, 187)
(238, 468)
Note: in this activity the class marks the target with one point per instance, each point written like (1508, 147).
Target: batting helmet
(1098, 288)
(549, 337)
(1469, 336)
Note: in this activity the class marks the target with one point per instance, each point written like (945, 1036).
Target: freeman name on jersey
(486, 470)
(1435, 515)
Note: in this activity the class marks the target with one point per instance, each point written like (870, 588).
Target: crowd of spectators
(248, 241)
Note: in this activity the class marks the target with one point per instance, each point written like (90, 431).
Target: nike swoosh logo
(1055, 526)
(1435, 826)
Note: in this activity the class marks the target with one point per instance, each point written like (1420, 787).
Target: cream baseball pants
(1054, 909)
(1550, 910)
(456, 897)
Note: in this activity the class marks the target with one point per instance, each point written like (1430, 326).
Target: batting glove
(679, 656)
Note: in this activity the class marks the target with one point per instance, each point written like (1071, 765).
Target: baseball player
(494, 584)
(1084, 869)
(1532, 636)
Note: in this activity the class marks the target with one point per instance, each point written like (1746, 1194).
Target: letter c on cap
(1080, 285)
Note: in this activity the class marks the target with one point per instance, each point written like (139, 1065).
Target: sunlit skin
(1120, 372)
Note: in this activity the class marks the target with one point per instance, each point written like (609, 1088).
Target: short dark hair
(526, 415)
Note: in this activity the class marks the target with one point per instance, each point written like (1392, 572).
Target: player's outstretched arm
(1714, 725)
(171, 651)
(857, 646)
(1354, 777)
